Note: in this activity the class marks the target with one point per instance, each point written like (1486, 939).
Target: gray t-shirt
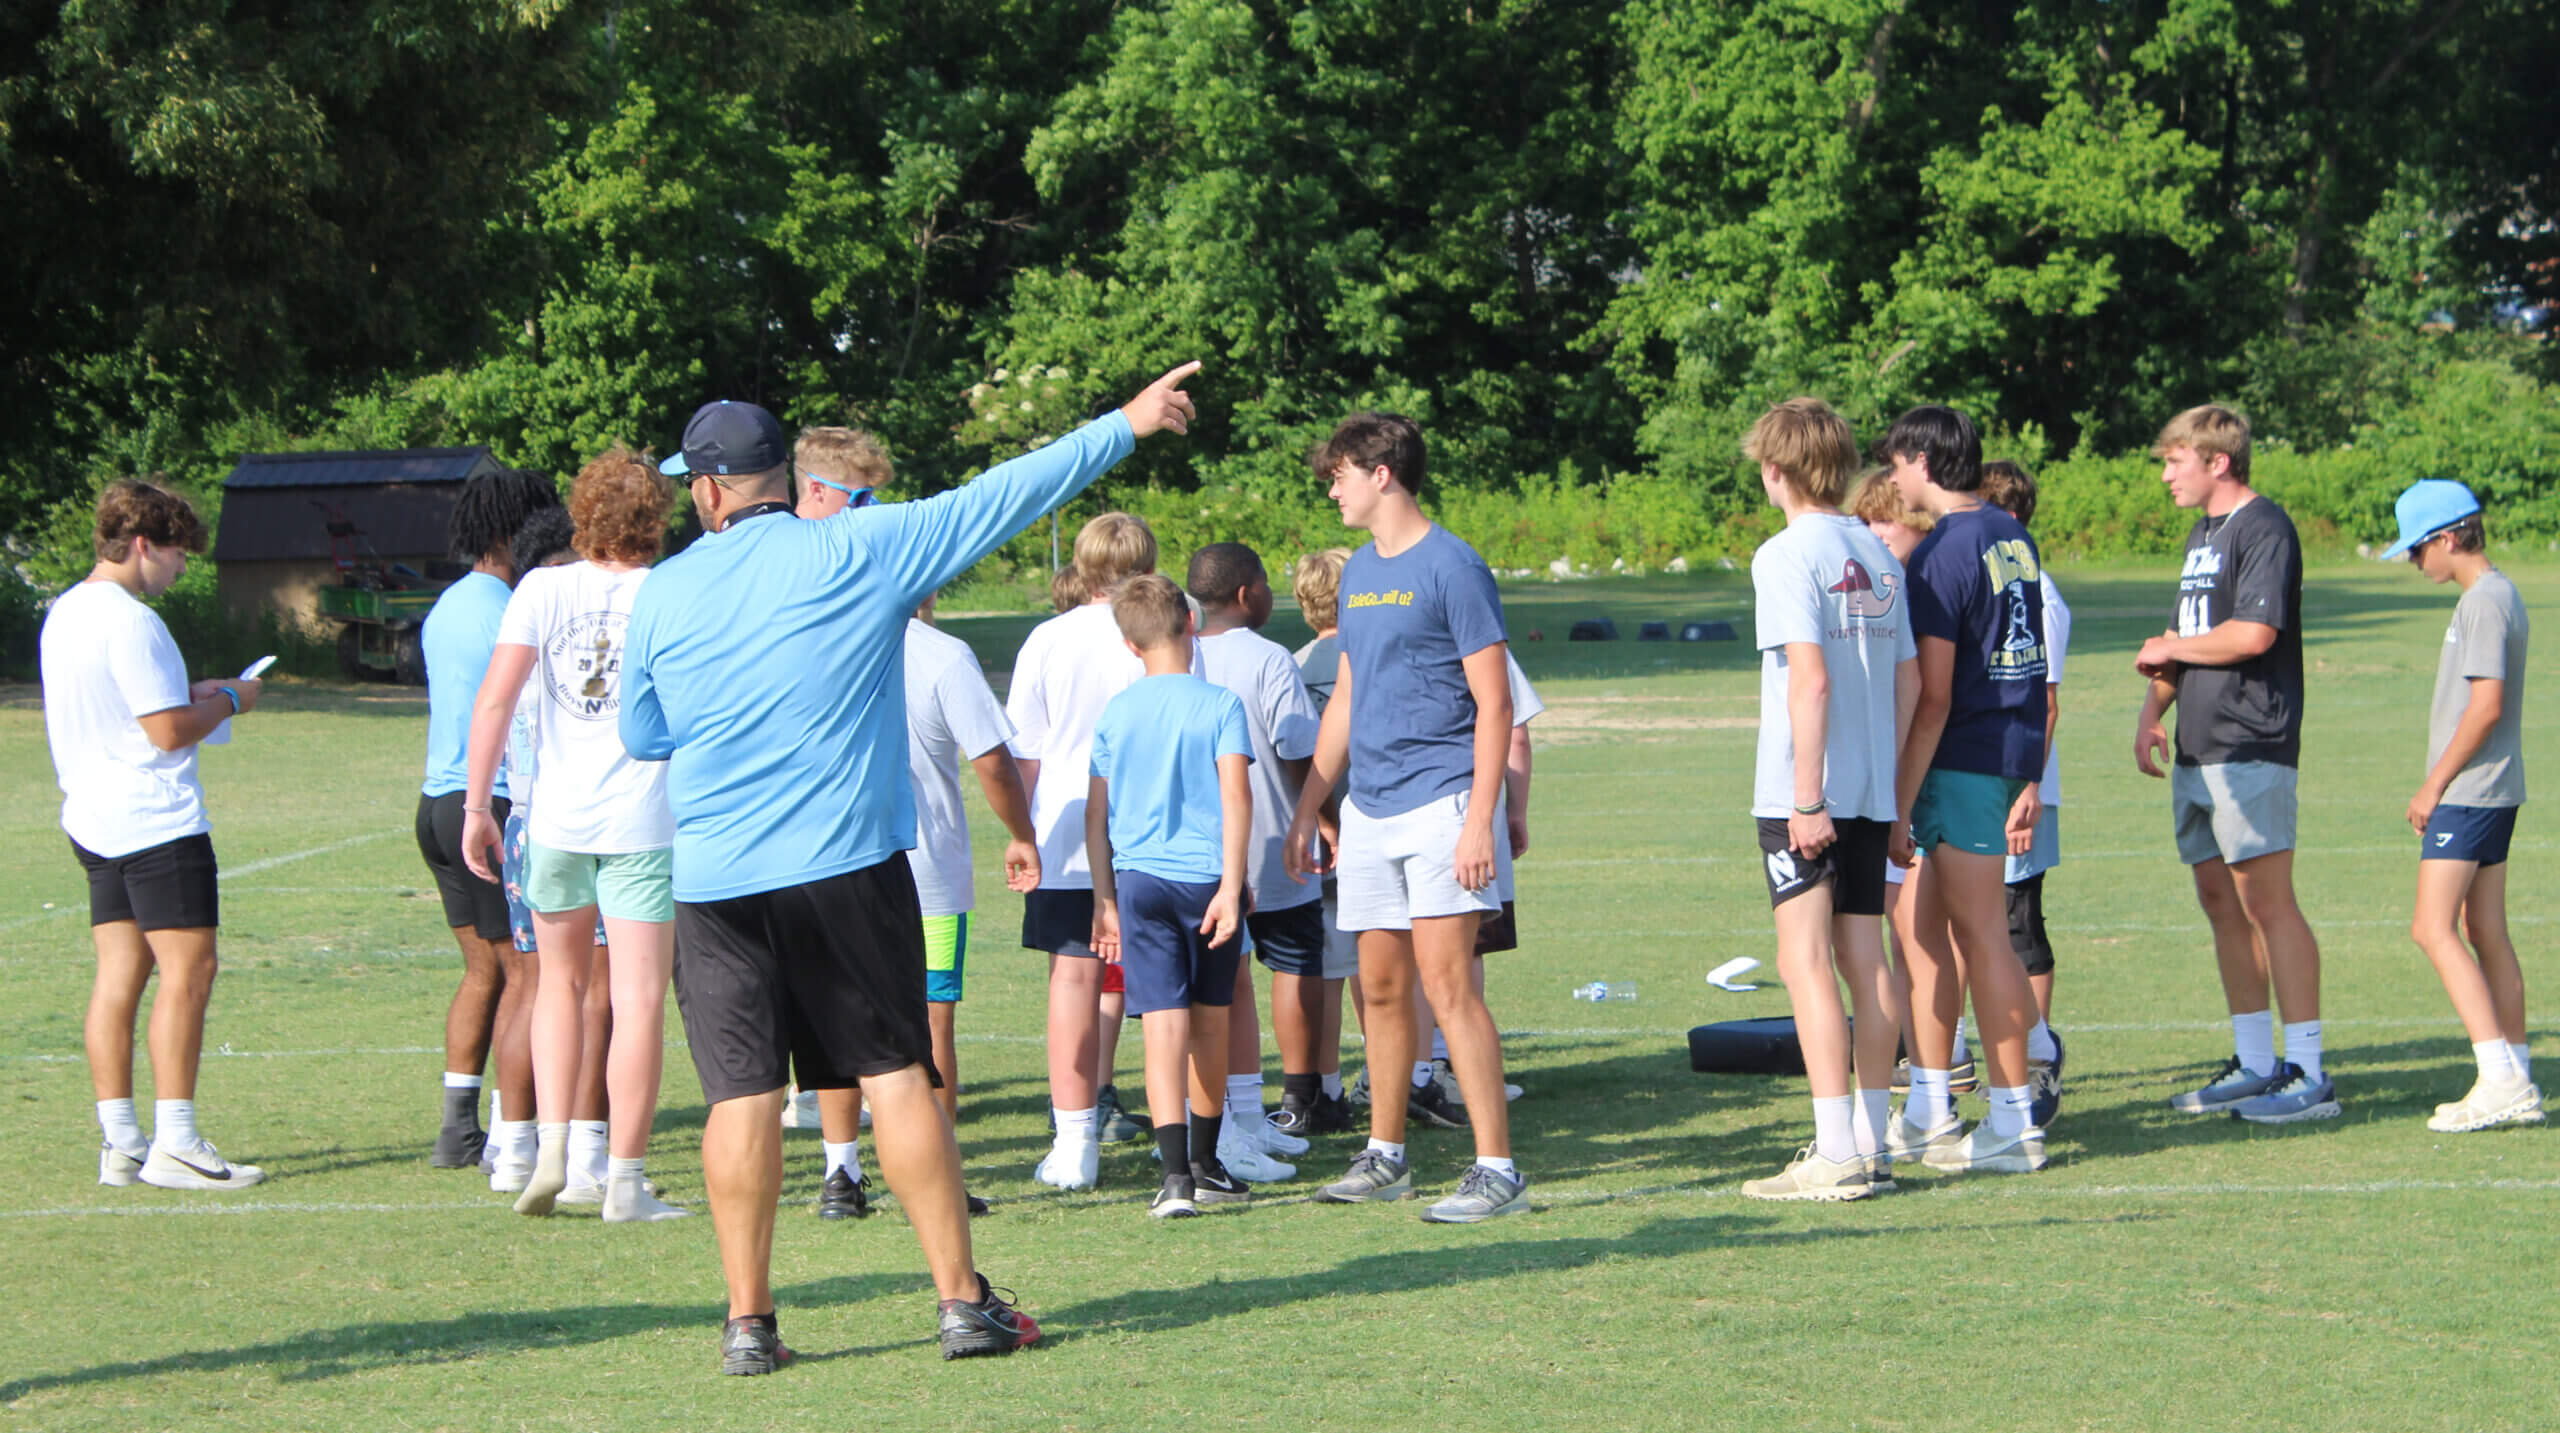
(1281, 723)
(2486, 640)
(1827, 582)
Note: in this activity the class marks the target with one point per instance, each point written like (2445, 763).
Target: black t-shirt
(2244, 566)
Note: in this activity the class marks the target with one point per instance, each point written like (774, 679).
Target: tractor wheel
(351, 654)
(408, 658)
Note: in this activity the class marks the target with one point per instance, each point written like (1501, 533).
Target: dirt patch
(1570, 718)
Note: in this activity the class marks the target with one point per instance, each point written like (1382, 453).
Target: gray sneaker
(2229, 1086)
(1374, 1177)
(1483, 1194)
(2296, 1096)
(1112, 1122)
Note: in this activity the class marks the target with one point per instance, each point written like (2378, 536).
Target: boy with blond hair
(837, 468)
(1168, 814)
(1838, 679)
(2233, 667)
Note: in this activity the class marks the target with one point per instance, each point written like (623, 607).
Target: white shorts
(1394, 871)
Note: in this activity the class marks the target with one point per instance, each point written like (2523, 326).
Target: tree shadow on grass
(325, 1353)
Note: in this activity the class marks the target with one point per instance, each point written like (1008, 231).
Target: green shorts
(946, 957)
(1968, 810)
(638, 886)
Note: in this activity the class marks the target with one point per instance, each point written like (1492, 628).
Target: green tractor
(379, 623)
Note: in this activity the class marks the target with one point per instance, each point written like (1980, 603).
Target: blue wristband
(232, 697)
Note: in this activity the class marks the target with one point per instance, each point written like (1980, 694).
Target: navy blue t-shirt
(1975, 581)
(1409, 622)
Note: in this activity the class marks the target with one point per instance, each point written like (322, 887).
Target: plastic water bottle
(1600, 990)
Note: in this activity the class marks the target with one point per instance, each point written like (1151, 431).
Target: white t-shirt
(1827, 580)
(107, 661)
(595, 799)
(1280, 720)
(2057, 640)
(1070, 668)
(951, 718)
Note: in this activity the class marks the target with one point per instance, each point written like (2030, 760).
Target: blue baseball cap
(725, 439)
(2429, 507)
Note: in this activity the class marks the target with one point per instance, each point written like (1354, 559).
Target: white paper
(1723, 976)
(221, 735)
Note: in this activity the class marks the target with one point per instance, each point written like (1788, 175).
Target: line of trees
(1581, 241)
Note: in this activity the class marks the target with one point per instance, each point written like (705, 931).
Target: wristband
(483, 810)
(232, 697)
(1815, 809)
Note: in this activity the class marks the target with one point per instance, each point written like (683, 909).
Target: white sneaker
(633, 1201)
(2487, 1106)
(1072, 1164)
(508, 1173)
(1982, 1151)
(197, 1166)
(801, 1111)
(1449, 1081)
(1267, 1137)
(119, 1168)
(1905, 1140)
(1246, 1161)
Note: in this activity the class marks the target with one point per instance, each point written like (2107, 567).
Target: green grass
(2164, 1273)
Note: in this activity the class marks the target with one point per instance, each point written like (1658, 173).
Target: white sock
(453, 1081)
(1076, 1124)
(2524, 1057)
(2253, 1039)
(1332, 1083)
(587, 1149)
(1867, 1119)
(846, 1156)
(1832, 1138)
(2041, 1045)
(173, 1123)
(1501, 1165)
(1930, 1104)
(122, 1128)
(1440, 1051)
(512, 1139)
(2302, 1046)
(1422, 1073)
(2009, 1105)
(624, 1169)
(2497, 1062)
(494, 1108)
(1959, 1045)
(1244, 1096)
(1391, 1151)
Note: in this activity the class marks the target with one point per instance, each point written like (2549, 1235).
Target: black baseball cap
(726, 439)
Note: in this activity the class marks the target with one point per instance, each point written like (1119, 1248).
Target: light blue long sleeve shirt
(765, 663)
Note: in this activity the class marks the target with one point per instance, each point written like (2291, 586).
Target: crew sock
(1832, 1138)
(2253, 1040)
(2302, 1046)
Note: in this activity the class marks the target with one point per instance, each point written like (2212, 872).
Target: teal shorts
(1968, 810)
(946, 957)
(638, 886)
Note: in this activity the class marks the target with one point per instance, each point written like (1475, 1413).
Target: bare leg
(1244, 1028)
(1813, 992)
(2484, 918)
(1075, 995)
(115, 997)
(1937, 986)
(2265, 886)
(566, 941)
(742, 1176)
(921, 1161)
(471, 1019)
(1387, 981)
(1209, 1063)
(2237, 952)
(1297, 1020)
(940, 1016)
(2442, 887)
(512, 1059)
(1167, 1036)
(187, 969)
(595, 1024)
(840, 1115)
(1443, 949)
(2043, 987)
(1877, 999)
(636, 1059)
(2003, 1004)
(1110, 1012)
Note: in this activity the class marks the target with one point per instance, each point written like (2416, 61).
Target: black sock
(1173, 1141)
(1304, 1088)
(1204, 1139)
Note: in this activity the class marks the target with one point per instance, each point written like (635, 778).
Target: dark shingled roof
(361, 469)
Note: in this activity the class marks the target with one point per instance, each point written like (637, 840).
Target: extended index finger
(1178, 374)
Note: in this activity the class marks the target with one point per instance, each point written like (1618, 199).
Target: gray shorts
(2041, 857)
(2234, 812)
(1341, 947)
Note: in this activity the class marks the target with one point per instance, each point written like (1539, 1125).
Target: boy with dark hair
(2233, 666)
(1420, 723)
(1838, 679)
(1167, 821)
(1966, 779)
(2465, 810)
(2012, 489)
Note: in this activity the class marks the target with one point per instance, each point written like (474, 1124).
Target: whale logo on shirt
(1862, 594)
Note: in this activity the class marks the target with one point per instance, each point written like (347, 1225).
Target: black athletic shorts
(171, 886)
(468, 900)
(1290, 941)
(1059, 922)
(1853, 864)
(1499, 930)
(824, 980)
(2026, 925)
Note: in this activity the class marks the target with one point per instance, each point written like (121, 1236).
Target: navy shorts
(1167, 962)
(2469, 833)
(1059, 922)
(171, 886)
(1290, 941)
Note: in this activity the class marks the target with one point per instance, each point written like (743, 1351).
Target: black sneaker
(1112, 1122)
(844, 1197)
(977, 1206)
(1962, 1077)
(1333, 1115)
(1212, 1184)
(458, 1146)
(992, 1325)
(1431, 1105)
(752, 1345)
(1295, 1114)
(1176, 1198)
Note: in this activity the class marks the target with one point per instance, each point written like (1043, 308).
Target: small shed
(292, 521)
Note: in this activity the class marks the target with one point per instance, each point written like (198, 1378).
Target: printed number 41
(2192, 621)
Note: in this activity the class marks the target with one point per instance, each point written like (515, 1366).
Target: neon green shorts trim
(1968, 810)
(638, 886)
(946, 957)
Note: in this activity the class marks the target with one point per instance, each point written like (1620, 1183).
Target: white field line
(2166, 853)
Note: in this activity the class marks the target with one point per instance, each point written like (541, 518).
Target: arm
(2226, 645)
(1235, 832)
(1515, 791)
(1000, 777)
(1490, 684)
(1333, 751)
(1809, 725)
(1106, 896)
(2151, 750)
(2488, 701)
(175, 728)
(490, 714)
(645, 733)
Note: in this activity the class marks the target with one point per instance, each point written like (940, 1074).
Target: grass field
(2165, 1272)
